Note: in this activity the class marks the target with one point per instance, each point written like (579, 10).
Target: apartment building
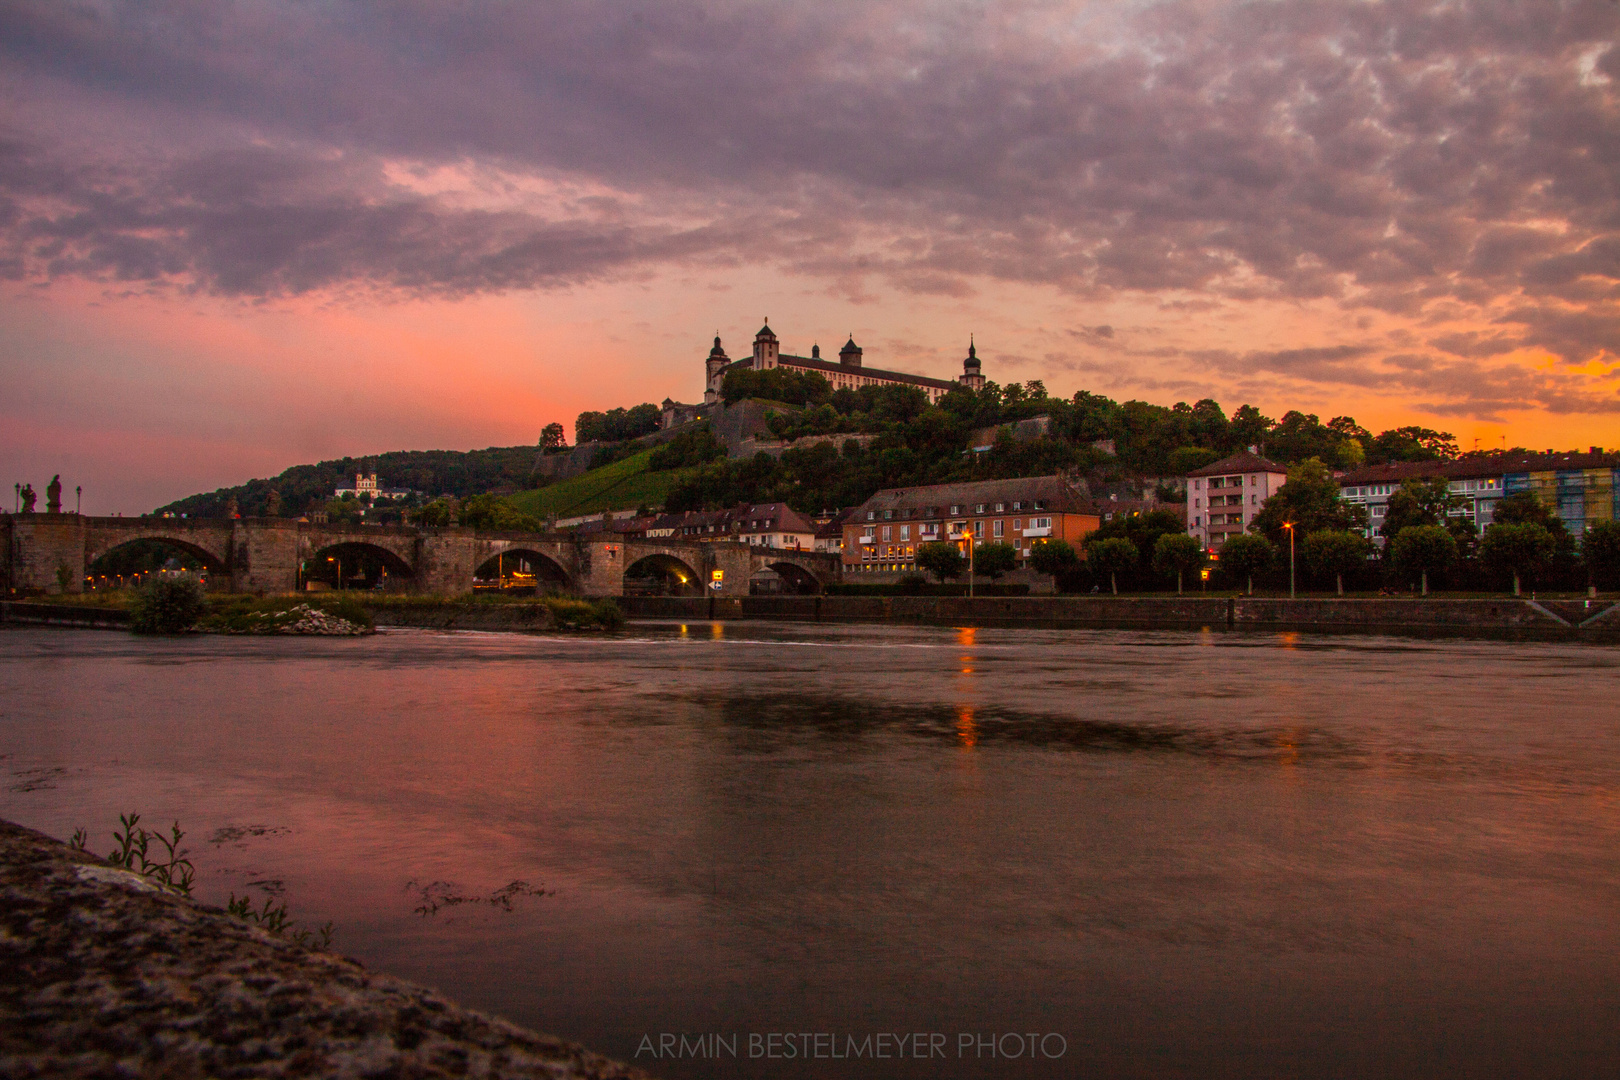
(1579, 488)
(772, 525)
(884, 533)
(1224, 497)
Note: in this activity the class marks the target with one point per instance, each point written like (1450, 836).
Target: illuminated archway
(522, 569)
(134, 561)
(661, 575)
(354, 564)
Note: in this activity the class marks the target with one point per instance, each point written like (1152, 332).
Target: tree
(1052, 557)
(1142, 530)
(1188, 458)
(993, 560)
(1422, 550)
(1242, 555)
(272, 504)
(1601, 549)
(1423, 501)
(1177, 553)
(1520, 550)
(1310, 499)
(942, 560)
(616, 425)
(1412, 444)
(553, 438)
(1111, 555)
(1335, 553)
(1523, 508)
(489, 512)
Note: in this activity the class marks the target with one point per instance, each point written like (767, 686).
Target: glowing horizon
(250, 239)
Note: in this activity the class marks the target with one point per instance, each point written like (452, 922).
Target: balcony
(1030, 533)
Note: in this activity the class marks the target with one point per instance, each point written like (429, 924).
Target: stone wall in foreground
(104, 975)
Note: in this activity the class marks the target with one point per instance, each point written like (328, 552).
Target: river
(1143, 854)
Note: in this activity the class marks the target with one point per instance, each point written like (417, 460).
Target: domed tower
(717, 359)
(972, 378)
(850, 354)
(765, 349)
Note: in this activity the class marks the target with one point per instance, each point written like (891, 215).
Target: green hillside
(624, 485)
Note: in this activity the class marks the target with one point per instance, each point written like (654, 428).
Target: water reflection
(1192, 854)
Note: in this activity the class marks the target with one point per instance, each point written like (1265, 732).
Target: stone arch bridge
(264, 555)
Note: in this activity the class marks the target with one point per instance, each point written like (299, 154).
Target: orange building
(883, 534)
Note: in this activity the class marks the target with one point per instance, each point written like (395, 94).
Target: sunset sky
(239, 237)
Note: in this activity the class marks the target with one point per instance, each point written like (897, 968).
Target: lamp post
(339, 561)
(78, 499)
(1289, 525)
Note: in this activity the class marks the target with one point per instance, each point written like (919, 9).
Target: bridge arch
(112, 564)
(355, 564)
(795, 577)
(529, 567)
(662, 574)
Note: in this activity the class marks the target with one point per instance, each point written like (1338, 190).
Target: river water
(1142, 854)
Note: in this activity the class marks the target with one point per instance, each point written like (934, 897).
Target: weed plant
(273, 918)
(134, 852)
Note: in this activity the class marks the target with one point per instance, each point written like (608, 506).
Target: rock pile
(302, 619)
(315, 621)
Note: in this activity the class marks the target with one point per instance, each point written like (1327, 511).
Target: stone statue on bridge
(53, 495)
(28, 498)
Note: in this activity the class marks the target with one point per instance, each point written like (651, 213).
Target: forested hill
(432, 472)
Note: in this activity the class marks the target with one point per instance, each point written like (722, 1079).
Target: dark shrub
(166, 605)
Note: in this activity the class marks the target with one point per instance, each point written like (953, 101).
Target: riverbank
(1551, 620)
(1508, 616)
(104, 974)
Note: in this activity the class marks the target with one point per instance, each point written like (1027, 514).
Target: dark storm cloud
(1391, 155)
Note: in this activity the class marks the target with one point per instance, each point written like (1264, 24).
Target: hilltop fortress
(847, 372)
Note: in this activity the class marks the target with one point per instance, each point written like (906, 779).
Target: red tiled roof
(1242, 461)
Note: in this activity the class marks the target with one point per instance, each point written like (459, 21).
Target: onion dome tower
(713, 364)
(972, 377)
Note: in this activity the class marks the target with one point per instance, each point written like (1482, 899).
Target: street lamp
(1289, 525)
(339, 561)
(78, 499)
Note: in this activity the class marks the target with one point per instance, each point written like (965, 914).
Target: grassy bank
(624, 485)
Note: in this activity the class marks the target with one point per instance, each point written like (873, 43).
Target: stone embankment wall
(1553, 619)
(103, 974)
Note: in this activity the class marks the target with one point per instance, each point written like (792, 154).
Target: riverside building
(1579, 488)
(884, 533)
(1223, 498)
